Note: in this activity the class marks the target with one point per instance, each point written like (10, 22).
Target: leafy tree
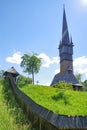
(31, 64)
(22, 80)
(1, 73)
(85, 85)
(79, 77)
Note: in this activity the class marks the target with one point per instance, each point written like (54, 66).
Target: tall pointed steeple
(66, 56)
(65, 33)
(65, 46)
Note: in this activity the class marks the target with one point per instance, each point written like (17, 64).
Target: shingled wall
(44, 119)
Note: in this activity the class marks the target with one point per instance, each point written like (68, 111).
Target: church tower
(65, 48)
(66, 56)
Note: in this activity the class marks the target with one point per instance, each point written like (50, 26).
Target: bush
(84, 83)
(63, 85)
(61, 96)
(22, 80)
(6, 90)
(16, 113)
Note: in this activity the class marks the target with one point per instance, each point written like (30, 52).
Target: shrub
(22, 80)
(15, 112)
(61, 96)
(63, 85)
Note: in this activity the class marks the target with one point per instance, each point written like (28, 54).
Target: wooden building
(66, 57)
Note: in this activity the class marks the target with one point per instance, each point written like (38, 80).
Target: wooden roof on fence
(13, 71)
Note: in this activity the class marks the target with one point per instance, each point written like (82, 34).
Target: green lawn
(66, 102)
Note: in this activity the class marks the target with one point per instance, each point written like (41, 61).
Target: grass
(66, 102)
(11, 115)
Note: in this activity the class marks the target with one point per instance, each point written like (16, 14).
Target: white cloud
(15, 58)
(57, 71)
(55, 60)
(80, 65)
(46, 61)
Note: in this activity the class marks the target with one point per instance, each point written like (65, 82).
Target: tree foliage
(79, 77)
(22, 80)
(1, 73)
(84, 83)
(63, 85)
(30, 64)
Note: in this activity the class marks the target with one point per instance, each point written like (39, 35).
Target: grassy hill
(11, 115)
(66, 102)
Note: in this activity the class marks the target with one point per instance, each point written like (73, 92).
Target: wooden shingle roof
(13, 71)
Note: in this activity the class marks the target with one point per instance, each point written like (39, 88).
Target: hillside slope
(11, 115)
(66, 102)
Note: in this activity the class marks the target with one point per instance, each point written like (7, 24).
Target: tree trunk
(33, 77)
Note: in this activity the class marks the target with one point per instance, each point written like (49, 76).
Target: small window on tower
(69, 69)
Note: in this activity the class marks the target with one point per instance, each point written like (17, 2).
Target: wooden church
(66, 57)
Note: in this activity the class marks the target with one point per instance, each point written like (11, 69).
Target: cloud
(57, 71)
(15, 58)
(55, 60)
(80, 65)
(47, 61)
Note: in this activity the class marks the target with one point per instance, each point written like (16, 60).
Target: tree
(23, 80)
(1, 73)
(85, 85)
(31, 64)
(79, 77)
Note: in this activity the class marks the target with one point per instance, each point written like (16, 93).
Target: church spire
(65, 33)
(65, 46)
(66, 56)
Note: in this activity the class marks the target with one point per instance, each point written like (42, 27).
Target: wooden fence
(42, 118)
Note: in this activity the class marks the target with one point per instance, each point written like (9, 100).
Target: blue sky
(28, 26)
